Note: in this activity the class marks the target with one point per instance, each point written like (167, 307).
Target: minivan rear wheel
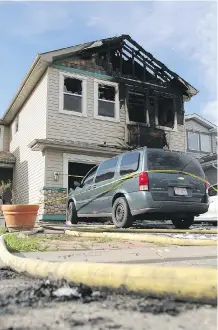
(121, 215)
(183, 223)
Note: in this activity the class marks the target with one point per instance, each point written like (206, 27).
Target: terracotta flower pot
(20, 217)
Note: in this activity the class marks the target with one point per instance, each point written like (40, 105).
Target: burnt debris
(153, 95)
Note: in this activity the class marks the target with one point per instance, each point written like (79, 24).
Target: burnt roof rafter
(154, 67)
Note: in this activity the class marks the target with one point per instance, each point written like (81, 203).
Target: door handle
(94, 186)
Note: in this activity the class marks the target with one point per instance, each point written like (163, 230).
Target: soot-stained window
(165, 111)
(73, 93)
(106, 100)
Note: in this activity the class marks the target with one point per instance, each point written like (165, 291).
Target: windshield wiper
(185, 166)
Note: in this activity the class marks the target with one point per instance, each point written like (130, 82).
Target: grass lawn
(51, 242)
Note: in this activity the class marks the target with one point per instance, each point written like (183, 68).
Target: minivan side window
(129, 163)
(89, 179)
(106, 170)
(212, 192)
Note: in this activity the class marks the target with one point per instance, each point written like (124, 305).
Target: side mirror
(77, 184)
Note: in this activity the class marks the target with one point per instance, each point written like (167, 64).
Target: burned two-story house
(83, 104)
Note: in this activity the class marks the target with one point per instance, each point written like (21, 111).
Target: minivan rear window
(129, 163)
(168, 160)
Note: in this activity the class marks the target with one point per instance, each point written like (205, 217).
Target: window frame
(116, 117)
(83, 79)
(2, 128)
(199, 142)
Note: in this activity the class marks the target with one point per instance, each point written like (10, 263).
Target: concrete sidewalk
(192, 256)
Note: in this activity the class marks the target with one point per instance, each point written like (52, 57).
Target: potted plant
(18, 216)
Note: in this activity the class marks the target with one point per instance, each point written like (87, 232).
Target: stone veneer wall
(53, 203)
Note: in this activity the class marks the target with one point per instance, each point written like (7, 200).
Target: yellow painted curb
(144, 238)
(181, 283)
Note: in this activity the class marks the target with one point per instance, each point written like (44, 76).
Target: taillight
(143, 181)
(207, 186)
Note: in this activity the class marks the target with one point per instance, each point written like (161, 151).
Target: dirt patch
(67, 243)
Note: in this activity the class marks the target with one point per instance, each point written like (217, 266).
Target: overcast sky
(181, 34)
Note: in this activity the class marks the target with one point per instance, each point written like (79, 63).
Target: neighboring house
(202, 143)
(80, 105)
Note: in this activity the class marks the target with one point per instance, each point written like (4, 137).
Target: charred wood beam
(121, 59)
(143, 60)
(139, 83)
(149, 55)
(89, 52)
(133, 63)
(151, 62)
(144, 72)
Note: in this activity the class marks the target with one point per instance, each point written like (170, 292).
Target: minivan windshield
(158, 159)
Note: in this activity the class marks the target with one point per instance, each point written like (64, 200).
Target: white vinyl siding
(1, 137)
(84, 129)
(30, 165)
(177, 139)
(54, 163)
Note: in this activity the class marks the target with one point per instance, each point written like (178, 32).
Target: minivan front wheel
(121, 215)
(72, 213)
(183, 223)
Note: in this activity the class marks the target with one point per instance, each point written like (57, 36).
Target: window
(205, 143)
(106, 170)
(199, 142)
(165, 111)
(73, 95)
(213, 192)
(90, 177)
(193, 141)
(168, 160)
(106, 101)
(129, 163)
(137, 108)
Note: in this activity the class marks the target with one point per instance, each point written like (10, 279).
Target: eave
(75, 147)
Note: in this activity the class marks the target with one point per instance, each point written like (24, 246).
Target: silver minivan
(126, 189)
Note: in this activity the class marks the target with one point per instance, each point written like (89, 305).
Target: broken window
(73, 94)
(106, 100)
(152, 105)
(137, 107)
(166, 113)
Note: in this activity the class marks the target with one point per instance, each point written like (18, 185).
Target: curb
(152, 230)
(110, 228)
(181, 283)
(143, 238)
